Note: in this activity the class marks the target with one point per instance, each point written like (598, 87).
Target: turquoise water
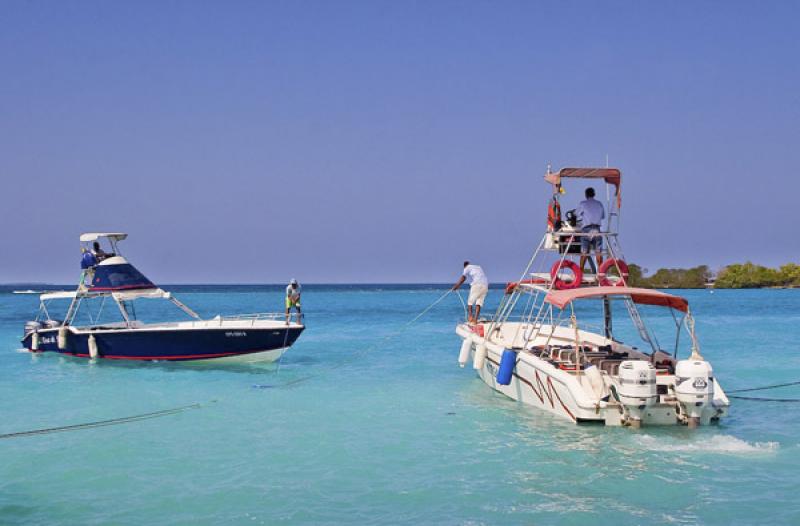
(387, 430)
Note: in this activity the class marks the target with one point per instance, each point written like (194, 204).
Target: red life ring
(561, 284)
(617, 264)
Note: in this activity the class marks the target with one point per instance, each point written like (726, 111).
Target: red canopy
(562, 298)
(609, 175)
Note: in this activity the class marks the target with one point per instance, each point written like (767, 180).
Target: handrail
(253, 316)
(578, 233)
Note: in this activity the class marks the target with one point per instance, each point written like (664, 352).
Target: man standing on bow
(293, 300)
(479, 287)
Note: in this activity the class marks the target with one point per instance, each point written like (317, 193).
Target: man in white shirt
(591, 213)
(293, 300)
(479, 287)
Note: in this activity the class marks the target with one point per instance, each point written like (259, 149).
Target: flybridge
(109, 271)
(116, 274)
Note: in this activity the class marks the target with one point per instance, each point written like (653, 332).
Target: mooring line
(775, 386)
(360, 353)
(758, 399)
(103, 423)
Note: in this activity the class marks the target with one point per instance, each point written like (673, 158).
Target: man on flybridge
(479, 287)
(591, 213)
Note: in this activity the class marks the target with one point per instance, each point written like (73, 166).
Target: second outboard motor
(694, 388)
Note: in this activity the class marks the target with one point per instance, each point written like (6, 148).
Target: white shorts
(477, 293)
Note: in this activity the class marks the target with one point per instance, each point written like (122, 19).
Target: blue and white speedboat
(101, 320)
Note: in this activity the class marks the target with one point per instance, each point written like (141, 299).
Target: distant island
(738, 276)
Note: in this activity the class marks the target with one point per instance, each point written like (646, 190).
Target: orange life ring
(553, 214)
(621, 267)
(561, 284)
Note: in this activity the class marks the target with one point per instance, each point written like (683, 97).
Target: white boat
(533, 348)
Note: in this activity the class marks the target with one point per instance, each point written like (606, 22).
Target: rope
(285, 339)
(757, 399)
(463, 304)
(764, 388)
(775, 386)
(103, 423)
(365, 351)
(432, 305)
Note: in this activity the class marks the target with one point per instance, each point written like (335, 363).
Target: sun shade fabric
(609, 175)
(562, 298)
(122, 276)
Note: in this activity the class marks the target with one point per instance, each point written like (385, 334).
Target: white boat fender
(595, 379)
(466, 347)
(62, 337)
(92, 347)
(480, 357)
(35, 341)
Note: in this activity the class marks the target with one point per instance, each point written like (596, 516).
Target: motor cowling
(694, 386)
(637, 380)
(32, 326)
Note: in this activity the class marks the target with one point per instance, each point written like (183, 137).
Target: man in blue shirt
(591, 214)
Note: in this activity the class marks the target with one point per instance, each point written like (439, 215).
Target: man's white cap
(293, 282)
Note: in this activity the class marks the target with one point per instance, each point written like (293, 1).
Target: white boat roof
(94, 236)
(121, 295)
(57, 295)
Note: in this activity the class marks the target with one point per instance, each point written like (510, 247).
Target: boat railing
(221, 321)
(538, 322)
(578, 233)
(254, 317)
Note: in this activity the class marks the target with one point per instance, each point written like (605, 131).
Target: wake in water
(725, 444)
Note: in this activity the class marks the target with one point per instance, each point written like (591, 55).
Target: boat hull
(248, 344)
(537, 383)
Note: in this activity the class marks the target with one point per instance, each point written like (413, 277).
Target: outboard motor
(31, 326)
(637, 390)
(694, 388)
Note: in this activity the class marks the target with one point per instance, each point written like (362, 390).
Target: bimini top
(562, 298)
(125, 295)
(94, 236)
(609, 175)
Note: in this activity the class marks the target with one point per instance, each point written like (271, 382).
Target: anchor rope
(763, 388)
(385, 339)
(103, 423)
(758, 399)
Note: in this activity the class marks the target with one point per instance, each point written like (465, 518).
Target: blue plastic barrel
(507, 364)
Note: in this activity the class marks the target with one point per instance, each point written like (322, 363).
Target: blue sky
(388, 141)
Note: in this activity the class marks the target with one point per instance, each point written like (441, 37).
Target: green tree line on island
(737, 276)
